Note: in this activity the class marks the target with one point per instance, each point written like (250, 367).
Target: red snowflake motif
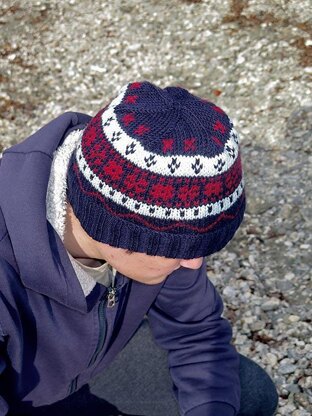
(98, 162)
(135, 171)
(135, 85)
(233, 178)
(134, 186)
(217, 141)
(188, 194)
(190, 144)
(167, 145)
(141, 129)
(89, 136)
(218, 109)
(97, 118)
(113, 170)
(162, 192)
(218, 126)
(229, 182)
(131, 99)
(128, 118)
(97, 147)
(99, 157)
(213, 190)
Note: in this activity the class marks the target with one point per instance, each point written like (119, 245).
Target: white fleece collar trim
(56, 200)
(56, 192)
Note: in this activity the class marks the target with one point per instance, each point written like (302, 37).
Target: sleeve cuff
(212, 409)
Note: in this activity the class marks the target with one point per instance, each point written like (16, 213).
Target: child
(108, 219)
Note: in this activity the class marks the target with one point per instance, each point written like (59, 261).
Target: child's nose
(192, 263)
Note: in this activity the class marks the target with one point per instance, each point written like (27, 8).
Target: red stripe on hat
(210, 189)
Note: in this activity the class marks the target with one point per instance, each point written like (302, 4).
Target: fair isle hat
(158, 171)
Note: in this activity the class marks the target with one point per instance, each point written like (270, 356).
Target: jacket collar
(42, 260)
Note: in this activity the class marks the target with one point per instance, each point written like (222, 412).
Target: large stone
(271, 305)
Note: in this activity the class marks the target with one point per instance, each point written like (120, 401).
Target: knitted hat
(158, 171)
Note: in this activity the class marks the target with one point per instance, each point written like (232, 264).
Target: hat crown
(172, 120)
(159, 171)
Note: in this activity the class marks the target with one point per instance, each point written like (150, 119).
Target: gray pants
(138, 383)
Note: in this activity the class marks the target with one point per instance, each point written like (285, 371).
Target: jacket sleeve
(186, 321)
(4, 407)
(3, 404)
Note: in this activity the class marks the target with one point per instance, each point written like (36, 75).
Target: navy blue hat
(159, 171)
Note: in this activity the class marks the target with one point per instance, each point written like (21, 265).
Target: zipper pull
(111, 297)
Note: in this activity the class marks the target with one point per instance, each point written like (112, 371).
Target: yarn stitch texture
(162, 161)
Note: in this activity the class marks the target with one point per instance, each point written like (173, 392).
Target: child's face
(143, 267)
(137, 266)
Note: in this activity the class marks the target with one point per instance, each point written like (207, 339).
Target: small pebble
(293, 318)
(287, 368)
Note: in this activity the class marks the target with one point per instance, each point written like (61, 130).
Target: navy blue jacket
(49, 331)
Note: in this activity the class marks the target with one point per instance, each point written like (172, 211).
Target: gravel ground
(252, 58)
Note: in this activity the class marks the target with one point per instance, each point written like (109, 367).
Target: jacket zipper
(102, 331)
(111, 297)
(109, 301)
